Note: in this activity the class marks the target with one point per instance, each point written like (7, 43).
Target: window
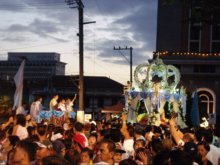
(194, 46)
(215, 39)
(195, 33)
(194, 38)
(215, 47)
(215, 42)
(216, 32)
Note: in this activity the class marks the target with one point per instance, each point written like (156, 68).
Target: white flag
(18, 78)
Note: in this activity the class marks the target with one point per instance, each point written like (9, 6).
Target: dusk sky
(51, 26)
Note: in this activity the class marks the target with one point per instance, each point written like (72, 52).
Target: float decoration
(57, 116)
(155, 84)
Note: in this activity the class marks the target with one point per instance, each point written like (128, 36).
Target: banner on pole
(18, 78)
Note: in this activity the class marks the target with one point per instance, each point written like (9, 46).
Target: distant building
(195, 49)
(38, 65)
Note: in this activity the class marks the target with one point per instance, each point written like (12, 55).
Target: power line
(109, 71)
(123, 55)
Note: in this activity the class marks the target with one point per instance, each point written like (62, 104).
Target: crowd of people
(23, 141)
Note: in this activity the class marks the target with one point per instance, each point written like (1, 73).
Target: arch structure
(207, 100)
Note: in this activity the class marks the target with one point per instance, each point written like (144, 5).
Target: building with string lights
(194, 48)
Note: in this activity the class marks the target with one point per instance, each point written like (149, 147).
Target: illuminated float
(154, 95)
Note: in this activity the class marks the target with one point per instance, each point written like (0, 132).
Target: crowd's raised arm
(24, 141)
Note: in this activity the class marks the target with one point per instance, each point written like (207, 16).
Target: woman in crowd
(19, 128)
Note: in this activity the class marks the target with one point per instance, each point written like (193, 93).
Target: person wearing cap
(78, 142)
(118, 156)
(45, 148)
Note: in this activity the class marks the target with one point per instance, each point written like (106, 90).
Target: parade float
(54, 116)
(154, 96)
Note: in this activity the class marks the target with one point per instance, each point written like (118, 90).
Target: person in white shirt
(62, 106)
(127, 132)
(22, 109)
(19, 129)
(36, 107)
(54, 103)
(214, 153)
(70, 103)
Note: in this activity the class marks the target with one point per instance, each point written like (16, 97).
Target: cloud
(17, 28)
(113, 7)
(13, 6)
(119, 23)
(40, 28)
(15, 38)
(43, 26)
(136, 28)
(142, 24)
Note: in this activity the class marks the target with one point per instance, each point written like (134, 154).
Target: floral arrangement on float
(154, 96)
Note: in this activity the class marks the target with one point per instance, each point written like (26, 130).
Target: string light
(192, 54)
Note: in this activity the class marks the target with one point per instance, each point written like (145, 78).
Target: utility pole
(79, 5)
(131, 49)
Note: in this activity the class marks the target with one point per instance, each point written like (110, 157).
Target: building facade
(38, 65)
(194, 47)
(184, 27)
